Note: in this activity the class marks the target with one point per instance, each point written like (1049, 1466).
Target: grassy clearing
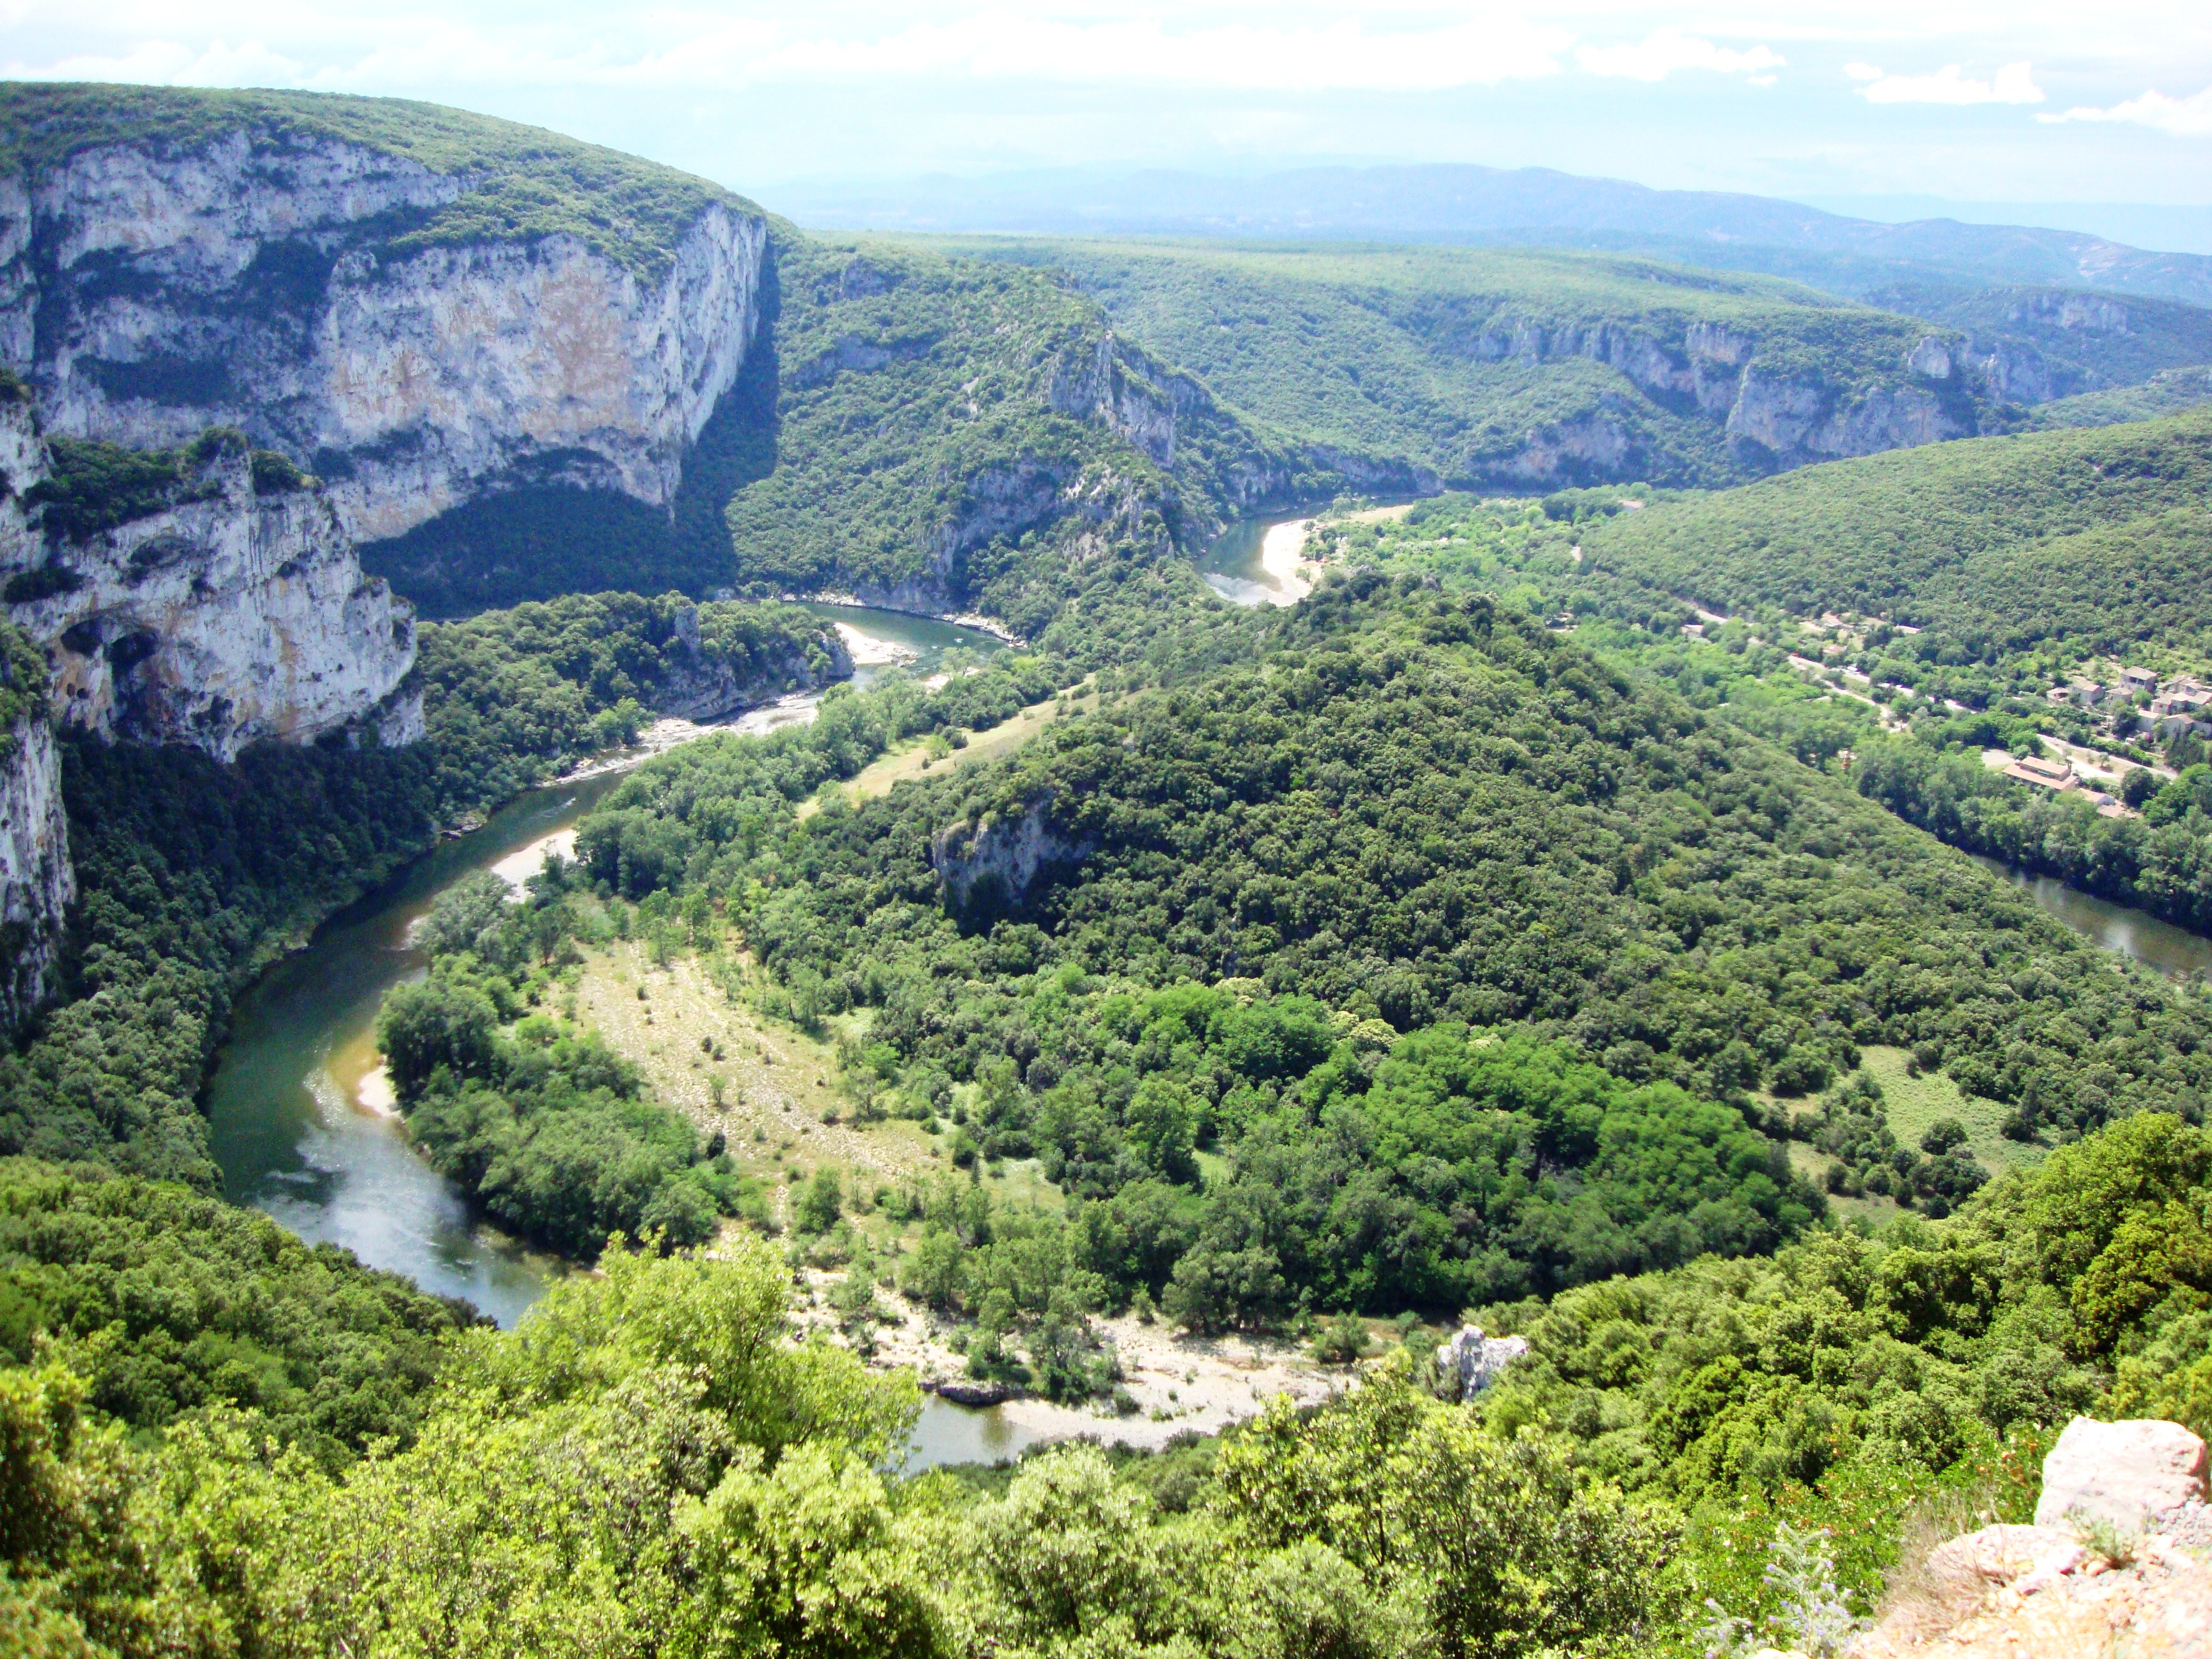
(778, 1083)
(917, 760)
(779, 1086)
(1914, 1103)
(1812, 1164)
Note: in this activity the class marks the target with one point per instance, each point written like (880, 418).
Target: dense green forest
(511, 696)
(1404, 814)
(1902, 741)
(645, 1465)
(2169, 391)
(1997, 543)
(1490, 365)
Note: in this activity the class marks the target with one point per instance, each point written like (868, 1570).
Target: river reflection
(2174, 951)
(300, 1123)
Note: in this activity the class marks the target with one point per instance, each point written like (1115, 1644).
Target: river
(1255, 562)
(293, 1106)
(2174, 951)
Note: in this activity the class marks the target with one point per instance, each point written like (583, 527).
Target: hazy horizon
(2044, 105)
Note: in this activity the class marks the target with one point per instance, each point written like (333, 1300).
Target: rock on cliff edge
(2119, 1562)
(225, 607)
(280, 279)
(986, 868)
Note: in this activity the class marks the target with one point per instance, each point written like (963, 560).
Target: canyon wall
(231, 609)
(300, 287)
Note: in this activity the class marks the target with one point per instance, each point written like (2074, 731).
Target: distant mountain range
(1528, 206)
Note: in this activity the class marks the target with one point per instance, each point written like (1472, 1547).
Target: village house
(2056, 774)
(2139, 679)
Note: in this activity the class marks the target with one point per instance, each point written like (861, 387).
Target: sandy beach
(1283, 556)
(1181, 1383)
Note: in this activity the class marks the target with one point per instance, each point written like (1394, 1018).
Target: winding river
(299, 1131)
(297, 1125)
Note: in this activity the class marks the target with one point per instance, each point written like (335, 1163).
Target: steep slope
(37, 881)
(205, 595)
(417, 303)
(1524, 369)
(2100, 533)
(2044, 344)
(2166, 393)
(951, 435)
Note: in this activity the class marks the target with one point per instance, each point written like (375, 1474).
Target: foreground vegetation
(648, 1465)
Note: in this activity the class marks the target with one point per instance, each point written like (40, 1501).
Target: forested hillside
(2090, 534)
(1519, 368)
(1404, 816)
(950, 435)
(2058, 342)
(1913, 716)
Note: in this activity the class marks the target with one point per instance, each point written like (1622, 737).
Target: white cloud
(703, 52)
(2183, 118)
(1863, 71)
(1663, 51)
(2014, 84)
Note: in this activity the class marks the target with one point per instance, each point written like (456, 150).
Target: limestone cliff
(987, 867)
(36, 881)
(702, 681)
(1774, 414)
(220, 605)
(417, 320)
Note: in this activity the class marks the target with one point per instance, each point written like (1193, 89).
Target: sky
(1997, 103)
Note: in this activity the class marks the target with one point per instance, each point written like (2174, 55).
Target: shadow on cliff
(530, 538)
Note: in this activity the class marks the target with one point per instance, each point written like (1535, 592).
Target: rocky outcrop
(256, 278)
(1476, 1361)
(1798, 422)
(2119, 1562)
(1772, 417)
(700, 682)
(986, 868)
(36, 881)
(2128, 1473)
(233, 611)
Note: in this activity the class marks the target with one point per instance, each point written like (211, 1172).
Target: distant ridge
(1527, 205)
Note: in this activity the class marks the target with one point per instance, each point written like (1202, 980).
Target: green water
(2174, 951)
(1231, 566)
(289, 1126)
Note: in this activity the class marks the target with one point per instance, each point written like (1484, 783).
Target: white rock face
(1794, 420)
(1478, 1360)
(36, 881)
(149, 294)
(216, 623)
(2127, 1473)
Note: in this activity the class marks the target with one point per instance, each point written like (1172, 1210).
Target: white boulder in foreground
(2129, 1473)
(2118, 1565)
